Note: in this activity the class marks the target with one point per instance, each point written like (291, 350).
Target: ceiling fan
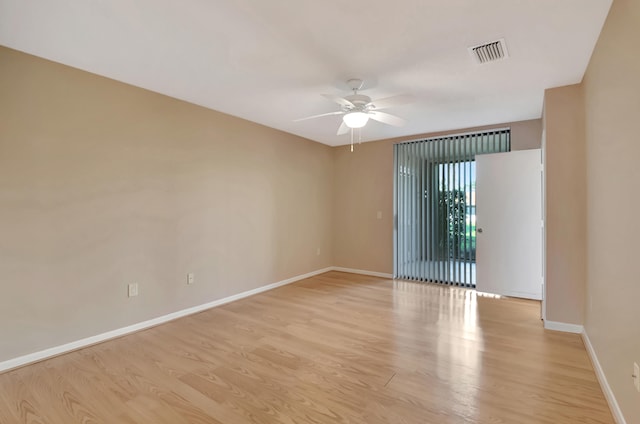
(356, 108)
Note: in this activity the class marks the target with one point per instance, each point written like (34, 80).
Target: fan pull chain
(359, 135)
(352, 140)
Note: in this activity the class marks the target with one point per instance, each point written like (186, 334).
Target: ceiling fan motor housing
(359, 100)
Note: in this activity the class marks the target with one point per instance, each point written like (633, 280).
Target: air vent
(489, 52)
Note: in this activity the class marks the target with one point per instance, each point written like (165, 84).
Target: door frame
(543, 175)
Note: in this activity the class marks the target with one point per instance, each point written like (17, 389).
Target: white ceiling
(268, 61)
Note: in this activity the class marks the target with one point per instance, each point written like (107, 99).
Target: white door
(509, 223)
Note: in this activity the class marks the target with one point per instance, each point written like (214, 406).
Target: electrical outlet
(636, 376)
(379, 215)
(318, 251)
(133, 289)
(191, 278)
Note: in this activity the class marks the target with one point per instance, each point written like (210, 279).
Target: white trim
(88, 341)
(68, 347)
(362, 272)
(602, 379)
(563, 326)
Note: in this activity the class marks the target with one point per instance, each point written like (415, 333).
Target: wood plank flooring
(336, 348)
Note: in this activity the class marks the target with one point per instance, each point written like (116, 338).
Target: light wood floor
(336, 348)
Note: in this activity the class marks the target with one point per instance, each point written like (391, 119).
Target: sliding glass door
(434, 206)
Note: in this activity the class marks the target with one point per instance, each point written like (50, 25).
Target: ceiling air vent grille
(489, 52)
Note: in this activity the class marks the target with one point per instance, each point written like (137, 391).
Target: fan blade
(400, 99)
(343, 129)
(318, 116)
(340, 100)
(387, 118)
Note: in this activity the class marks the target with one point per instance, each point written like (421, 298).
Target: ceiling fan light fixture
(355, 119)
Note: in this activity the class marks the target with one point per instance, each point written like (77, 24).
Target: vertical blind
(434, 206)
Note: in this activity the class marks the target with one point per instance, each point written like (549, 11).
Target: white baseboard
(563, 326)
(602, 379)
(362, 271)
(604, 384)
(68, 347)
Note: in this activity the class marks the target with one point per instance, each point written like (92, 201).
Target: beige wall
(103, 184)
(612, 109)
(565, 204)
(363, 185)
